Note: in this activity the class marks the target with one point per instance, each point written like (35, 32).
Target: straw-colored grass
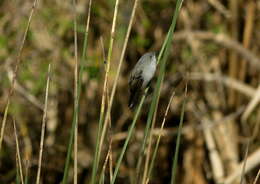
(44, 119)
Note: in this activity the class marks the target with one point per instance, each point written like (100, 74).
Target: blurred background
(215, 50)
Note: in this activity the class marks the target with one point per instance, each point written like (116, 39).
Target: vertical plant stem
(158, 139)
(72, 131)
(18, 61)
(149, 149)
(233, 56)
(110, 165)
(102, 175)
(245, 161)
(76, 97)
(163, 53)
(17, 178)
(175, 159)
(247, 36)
(118, 73)
(130, 132)
(18, 153)
(84, 51)
(101, 118)
(43, 126)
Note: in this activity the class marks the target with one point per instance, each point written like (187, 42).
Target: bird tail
(133, 99)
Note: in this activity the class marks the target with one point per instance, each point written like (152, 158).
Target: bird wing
(136, 81)
(135, 86)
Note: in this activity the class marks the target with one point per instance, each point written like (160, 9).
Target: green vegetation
(185, 125)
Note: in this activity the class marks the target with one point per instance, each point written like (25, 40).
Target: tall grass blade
(17, 177)
(102, 175)
(18, 154)
(164, 52)
(130, 132)
(43, 125)
(159, 138)
(18, 61)
(175, 159)
(107, 116)
(79, 85)
(76, 97)
(101, 118)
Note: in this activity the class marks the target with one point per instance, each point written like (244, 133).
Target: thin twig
(257, 176)
(76, 95)
(78, 83)
(105, 164)
(118, 73)
(44, 119)
(252, 162)
(109, 152)
(147, 159)
(159, 138)
(244, 162)
(18, 153)
(110, 162)
(20, 89)
(18, 61)
(252, 105)
(101, 118)
(176, 154)
(130, 133)
(110, 140)
(221, 8)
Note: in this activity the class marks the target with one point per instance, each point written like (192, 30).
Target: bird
(141, 76)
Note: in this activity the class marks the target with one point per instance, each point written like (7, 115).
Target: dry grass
(216, 47)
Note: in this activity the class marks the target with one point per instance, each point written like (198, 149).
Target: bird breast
(148, 73)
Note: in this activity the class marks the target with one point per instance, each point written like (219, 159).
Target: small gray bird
(141, 76)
